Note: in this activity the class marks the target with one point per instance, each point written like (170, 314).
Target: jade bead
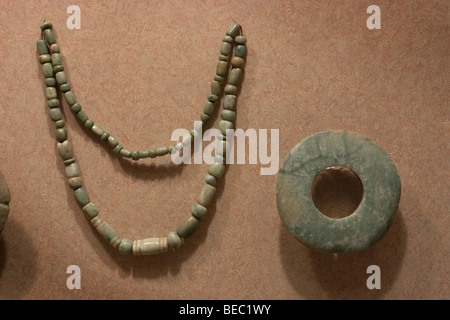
(224, 58)
(44, 58)
(105, 136)
(125, 246)
(61, 134)
(50, 82)
(170, 148)
(42, 47)
(213, 98)
(55, 114)
(56, 59)
(209, 108)
(125, 153)
(135, 155)
(49, 36)
(240, 40)
(61, 77)
(75, 182)
(112, 141)
(237, 62)
(97, 130)
(229, 102)
(90, 210)
(53, 103)
(235, 76)
(46, 25)
(230, 89)
(60, 123)
(69, 161)
(219, 159)
(149, 246)
(222, 68)
(240, 51)
(75, 108)
(81, 196)
(234, 30)
(173, 240)
(143, 154)
(228, 115)
(225, 49)
(161, 151)
(47, 69)
(58, 68)
(227, 39)
(206, 195)
(82, 116)
(152, 153)
(72, 170)
(219, 78)
(204, 117)
(54, 48)
(215, 88)
(117, 148)
(188, 227)
(89, 124)
(64, 87)
(70, 98)
(210, 179)
(225, 125)
(217, 170)
(50, 93)
(65, 150)
(106, 231)
(198, 210)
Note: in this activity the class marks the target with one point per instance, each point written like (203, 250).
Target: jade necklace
(55, 79)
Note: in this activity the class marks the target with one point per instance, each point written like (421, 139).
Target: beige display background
(142, 69)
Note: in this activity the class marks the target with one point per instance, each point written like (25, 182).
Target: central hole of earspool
(337, 192)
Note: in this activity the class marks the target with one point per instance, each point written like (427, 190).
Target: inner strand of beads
(53, 70)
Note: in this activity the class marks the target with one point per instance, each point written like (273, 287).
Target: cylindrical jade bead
(62, 79)
(209, 108)
(70, 98)
(55, 114)
(240, 40)
(72, 170)
(50, 93)
(46, 25)
(44, 58)
(82, 116)
(188, 227)
(225, 49)
(222, 68)
(75, 183)
(56, 59)
(50, 82)
(235, 76)
(105, 230)
(49, 36)
(42, 47)
(54, 48)
(215, 88)
(76, 108)
(90, 210)
(47, 69)
(174, 241)
(234, 30)
(228, 115)
(229, 102)
(61, 134)
(206, 195)
(162, 151)
(150, 246)
(240, 51)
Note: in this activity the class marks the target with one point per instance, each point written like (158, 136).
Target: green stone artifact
(228, 76)
(371, 219)
(4, 202)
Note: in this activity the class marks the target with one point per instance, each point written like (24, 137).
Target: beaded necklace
(55, 78)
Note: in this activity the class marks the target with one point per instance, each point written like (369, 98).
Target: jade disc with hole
(371, 219)
(4, 202)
